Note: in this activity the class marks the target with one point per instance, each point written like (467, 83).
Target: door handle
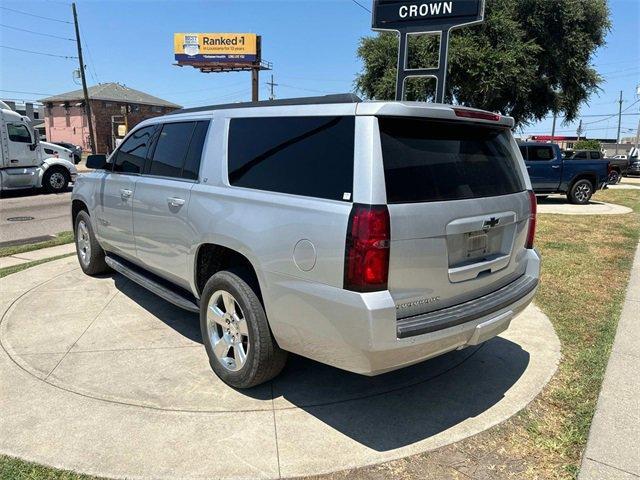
(555, 166)
(125, 194)
(175, 201)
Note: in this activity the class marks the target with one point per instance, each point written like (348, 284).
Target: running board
(150, 284)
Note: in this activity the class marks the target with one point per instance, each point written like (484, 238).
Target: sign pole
(420, 17)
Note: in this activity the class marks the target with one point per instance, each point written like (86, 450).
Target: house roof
(113, 92)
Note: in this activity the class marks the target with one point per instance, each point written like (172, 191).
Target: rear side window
(541, 154)
(171, 149)
(580, 156)
(595, 156)
(178, 150)
(430, 161)
(310, 156)
(132, 154)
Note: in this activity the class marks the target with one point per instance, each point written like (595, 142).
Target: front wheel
(90, 253)
(56, 180)
(581, 192)
(236, 334)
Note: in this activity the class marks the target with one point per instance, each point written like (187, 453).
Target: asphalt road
(51, 214)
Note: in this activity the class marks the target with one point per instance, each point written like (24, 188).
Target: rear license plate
(476, 243)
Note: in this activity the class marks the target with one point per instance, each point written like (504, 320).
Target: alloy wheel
(83, 241)
(583, 192)
(57, 180)
(227, 330)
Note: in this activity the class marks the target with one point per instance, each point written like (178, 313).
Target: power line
(37, 33)
(361, 6)
(304, 89)
(70, 57)
(27, 93)
(611, 116)
(36, 16)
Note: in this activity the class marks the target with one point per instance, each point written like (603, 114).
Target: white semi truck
(26, 162)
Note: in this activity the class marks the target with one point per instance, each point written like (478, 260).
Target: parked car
(365, 235)
(27, 162)
(551, 173)
(75, 149)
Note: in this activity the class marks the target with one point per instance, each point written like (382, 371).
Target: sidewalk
(613, 448)
(26, 257)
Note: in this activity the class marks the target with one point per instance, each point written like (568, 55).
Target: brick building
(112, 105)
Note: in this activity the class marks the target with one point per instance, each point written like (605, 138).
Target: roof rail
(322, 100)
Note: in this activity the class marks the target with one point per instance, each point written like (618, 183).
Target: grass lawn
(586, 265)
(61, 239)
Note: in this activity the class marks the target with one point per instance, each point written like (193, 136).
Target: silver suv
(364, 235)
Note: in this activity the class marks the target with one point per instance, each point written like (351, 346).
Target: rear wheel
(90, 253)
(614, 177)
(56, 180)
(236, 334)
(581, 192)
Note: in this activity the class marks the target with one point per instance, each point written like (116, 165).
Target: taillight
(366, 263)
(461, 112)
(533, 202)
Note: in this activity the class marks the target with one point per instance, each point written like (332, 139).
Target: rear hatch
(459, 211)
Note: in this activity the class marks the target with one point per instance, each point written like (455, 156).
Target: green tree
(528, 58)
(587, 145)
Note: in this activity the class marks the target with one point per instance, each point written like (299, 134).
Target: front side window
(18, 133)
(430, 161)
(309, 156)
(541, 154)
(132, 155)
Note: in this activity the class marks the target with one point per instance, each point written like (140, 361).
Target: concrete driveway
(100, 376)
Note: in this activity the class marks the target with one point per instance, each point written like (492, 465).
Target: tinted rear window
(429, 161)
(310, 156)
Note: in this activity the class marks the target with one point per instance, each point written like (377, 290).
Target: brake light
(533, 202)
(461, 112)
(366, 263)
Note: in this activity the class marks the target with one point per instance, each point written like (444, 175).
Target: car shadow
(384, 412)
(31, 192)
(562, 200)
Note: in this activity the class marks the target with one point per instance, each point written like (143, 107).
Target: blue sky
(312, 45)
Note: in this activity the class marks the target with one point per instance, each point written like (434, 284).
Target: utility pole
(553, 128)
(579, 132)
(271, 84)
(619, 121)
(87, 105)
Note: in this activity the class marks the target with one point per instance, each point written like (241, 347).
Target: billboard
(420, 15)
(215, 48)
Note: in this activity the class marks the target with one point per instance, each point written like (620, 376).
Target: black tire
(581, 192)
(614, 177)
(91, 259)
(56, 179)
(264, 358)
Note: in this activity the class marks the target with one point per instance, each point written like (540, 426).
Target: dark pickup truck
(617, 166)
(550, 173)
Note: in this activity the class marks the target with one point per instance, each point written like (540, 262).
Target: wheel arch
(77, 206)
(591, 176)
(211, 258)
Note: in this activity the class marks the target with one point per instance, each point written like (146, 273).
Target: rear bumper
(360, 332)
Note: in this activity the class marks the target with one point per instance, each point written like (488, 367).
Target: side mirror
(33, 146)
(96, 162)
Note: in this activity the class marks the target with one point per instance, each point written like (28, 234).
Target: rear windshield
(430, 161)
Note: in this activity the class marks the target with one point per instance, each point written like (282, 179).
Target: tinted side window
(595, 156)
(171, 149)
(194, 155)
(132, 154)
(580, 156)
(311, 156)
(18, 133)
(541, 154)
